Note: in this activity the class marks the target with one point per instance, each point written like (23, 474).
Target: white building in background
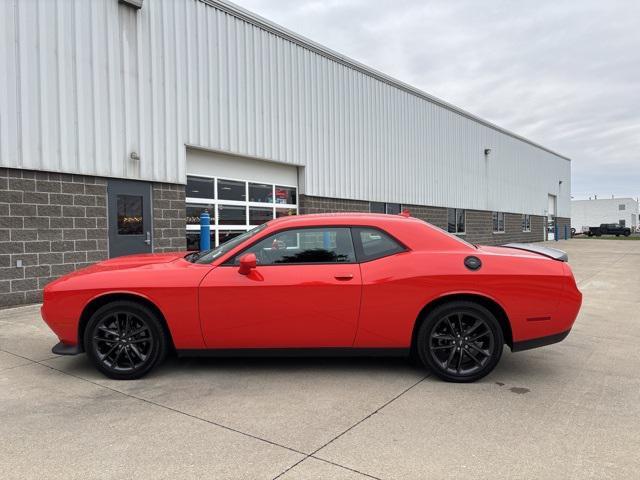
(591, 213)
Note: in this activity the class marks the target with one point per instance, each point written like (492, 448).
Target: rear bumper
(539, 342)
(65, 349)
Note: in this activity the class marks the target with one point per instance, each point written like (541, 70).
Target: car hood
(128, 262)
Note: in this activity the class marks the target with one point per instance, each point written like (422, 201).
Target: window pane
(199, 187)
(501, 222)
(260, 192)
(232, 215)
(393, 208)
(451, 220)
(260, 215)
(226, 235)
(194, 210)
(377, 244)
(285, 195)
(285, 212)
(377, 207)
(309, 245)
(130, 220)
(460, 219)
(494, 221)
(231, 190)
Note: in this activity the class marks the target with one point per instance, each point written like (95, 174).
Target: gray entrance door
(129, 210)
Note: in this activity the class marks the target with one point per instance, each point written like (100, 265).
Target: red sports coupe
(335, 283)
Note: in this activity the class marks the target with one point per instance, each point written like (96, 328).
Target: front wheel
(125, 340)
(460, 341)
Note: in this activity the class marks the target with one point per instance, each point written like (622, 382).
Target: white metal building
(196, 104)
(592, 213)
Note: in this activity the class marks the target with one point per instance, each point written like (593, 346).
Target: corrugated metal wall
(85, 83)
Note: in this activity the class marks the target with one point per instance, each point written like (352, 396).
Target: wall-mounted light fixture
(134, 156)
(487, 151)
(132, 3)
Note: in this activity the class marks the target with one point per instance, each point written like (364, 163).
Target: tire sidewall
(422, 340)
(159, 338)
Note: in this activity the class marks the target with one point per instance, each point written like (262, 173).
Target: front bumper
(65, 349)
(539, 342)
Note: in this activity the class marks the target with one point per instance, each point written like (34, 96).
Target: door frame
(115, 187)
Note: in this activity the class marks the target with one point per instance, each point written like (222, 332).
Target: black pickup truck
(609, 229)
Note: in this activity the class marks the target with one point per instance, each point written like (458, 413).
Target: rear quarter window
(373, 244)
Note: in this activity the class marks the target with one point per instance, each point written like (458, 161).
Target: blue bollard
(205, 231)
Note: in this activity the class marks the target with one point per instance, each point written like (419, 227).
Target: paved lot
(566, 411)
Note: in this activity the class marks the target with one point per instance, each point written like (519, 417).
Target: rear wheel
(460, 341)
(125, 340)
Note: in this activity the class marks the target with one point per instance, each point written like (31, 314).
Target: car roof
(341, 218)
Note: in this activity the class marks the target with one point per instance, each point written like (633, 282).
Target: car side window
(375, 244)
(304, 246)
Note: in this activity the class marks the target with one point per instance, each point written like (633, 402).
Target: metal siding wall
(97, 80)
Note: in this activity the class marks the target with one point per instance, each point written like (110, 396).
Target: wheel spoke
(138, 331)
(127, 325)
(115, 360)
(140, 340)
(473, 327)
(460, 360)
(126, 351)
(453, 352)
(459, 315)
(477, 349)
(110, 351)
(453, 330)
(105, 340)
(474, 358)
(107, 330)
(443, 347)
(137, 352)
(439, 336)
(473, 339)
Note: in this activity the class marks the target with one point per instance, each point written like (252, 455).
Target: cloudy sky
(565, 74)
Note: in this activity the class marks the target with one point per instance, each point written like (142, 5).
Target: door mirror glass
(247, 263)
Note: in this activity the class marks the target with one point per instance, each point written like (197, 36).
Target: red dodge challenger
(327, 284)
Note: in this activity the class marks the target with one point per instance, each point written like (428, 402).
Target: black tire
(617, 234)
(443, 347)
(125, 340)
(626, 234)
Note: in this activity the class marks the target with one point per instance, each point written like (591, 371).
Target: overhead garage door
(239, 194)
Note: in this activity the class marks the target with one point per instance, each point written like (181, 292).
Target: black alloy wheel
(125, 340)
(460, 341)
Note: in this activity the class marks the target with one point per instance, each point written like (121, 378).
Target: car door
(304, 293)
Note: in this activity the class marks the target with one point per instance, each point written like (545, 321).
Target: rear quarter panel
(397, 288)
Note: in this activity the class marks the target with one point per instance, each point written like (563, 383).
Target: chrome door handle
(148, 239)
(348, 276)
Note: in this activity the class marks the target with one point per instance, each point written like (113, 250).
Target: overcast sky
(565, 74)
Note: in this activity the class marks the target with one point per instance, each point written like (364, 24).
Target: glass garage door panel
(234, 205)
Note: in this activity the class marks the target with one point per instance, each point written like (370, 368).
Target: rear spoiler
(539, 249)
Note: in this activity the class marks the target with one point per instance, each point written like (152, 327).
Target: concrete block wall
(50, 224)
(169, 217)
(479, 224)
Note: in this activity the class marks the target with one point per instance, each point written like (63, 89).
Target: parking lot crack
(344, 432)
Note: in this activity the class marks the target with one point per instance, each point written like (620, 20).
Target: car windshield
(208, 256)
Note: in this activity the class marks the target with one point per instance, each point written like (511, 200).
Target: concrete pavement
(570, 410)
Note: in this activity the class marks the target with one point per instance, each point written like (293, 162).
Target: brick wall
(53, 224)
(169, 217)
